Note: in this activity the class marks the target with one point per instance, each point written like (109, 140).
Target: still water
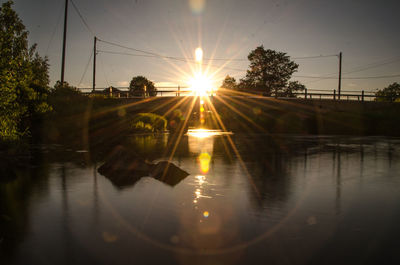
(248, 199)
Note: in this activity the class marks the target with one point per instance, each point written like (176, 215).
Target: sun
(200, 84)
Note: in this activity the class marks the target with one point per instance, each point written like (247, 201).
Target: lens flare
(197, 6)
(199, 55)
(204, 159)
(200, 84)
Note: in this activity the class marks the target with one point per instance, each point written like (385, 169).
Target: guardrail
(123, 92)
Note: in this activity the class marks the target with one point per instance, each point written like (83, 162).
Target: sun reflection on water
(205, 133)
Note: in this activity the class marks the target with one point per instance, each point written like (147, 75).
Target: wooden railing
(123, 92)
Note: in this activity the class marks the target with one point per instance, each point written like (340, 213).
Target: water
(249, 199)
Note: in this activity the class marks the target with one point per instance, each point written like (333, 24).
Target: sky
(365, 31)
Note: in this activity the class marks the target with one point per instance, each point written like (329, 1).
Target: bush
(149, 122)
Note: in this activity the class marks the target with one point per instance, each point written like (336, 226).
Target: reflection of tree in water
(30, 183)
(268, 161)
(15, 200)
(270, 176)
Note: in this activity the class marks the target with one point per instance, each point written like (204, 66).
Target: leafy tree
(23, 77)
(140, 85)
(229, 83)
(390, 93)
(269, 71)
(293, 87)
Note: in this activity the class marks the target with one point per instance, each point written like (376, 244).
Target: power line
(373, 77)
(373, 65)
(236, 69)
(358, 69)
(314, 57)
(103, 70)
(55, 29)
(187, 60)
(360, 77)
(86, 68)
(129, 54)
(82, 18)
(193, 59)
(157, 56)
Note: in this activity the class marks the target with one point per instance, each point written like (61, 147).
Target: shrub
(149, 122)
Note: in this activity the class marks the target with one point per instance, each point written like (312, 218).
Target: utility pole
(64, 42)
(94, 64)
(340, 74)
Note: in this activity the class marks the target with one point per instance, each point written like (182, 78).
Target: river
(248, 199)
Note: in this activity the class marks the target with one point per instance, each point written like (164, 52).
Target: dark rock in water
(168, 173)
(124, 168)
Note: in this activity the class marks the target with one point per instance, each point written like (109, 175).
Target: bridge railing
(312, 94)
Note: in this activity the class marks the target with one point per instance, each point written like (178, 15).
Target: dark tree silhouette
(292, 88)
(390, 93)
(140, 86)
(229, 83)
(269, 71)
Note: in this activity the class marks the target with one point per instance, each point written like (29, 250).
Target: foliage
(390, 93)
(229, 83)
(23, 77)
(65, 90)
(293, 87)
(140, 86)
(67, 100)
(149, 122)
(269, 71)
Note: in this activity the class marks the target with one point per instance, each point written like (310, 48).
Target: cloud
(166, 84)
(123, 83)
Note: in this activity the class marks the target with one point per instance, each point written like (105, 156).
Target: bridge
(181, 91)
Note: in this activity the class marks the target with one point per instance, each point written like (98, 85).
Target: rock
(168, 173)
(124, 167)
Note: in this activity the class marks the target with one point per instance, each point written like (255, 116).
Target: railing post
(334, 94)
(179, 91)
(362, 96)
(305, 93)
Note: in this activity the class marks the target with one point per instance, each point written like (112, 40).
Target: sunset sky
(365, 31)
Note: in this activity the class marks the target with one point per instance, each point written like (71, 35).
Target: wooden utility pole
(64, 42)
(94, 64)
(340, 74)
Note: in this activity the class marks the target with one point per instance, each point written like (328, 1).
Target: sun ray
(128, 105)
(216, 125)
(181, 101)
(245, 105)
(180, 133)
(162, 105)
(236, 151)
(241, 114)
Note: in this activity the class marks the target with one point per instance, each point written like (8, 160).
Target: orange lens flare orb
(204, 159)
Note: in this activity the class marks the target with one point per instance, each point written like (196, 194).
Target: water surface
(248, 199)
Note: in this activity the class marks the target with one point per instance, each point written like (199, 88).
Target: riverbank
(85, 122)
